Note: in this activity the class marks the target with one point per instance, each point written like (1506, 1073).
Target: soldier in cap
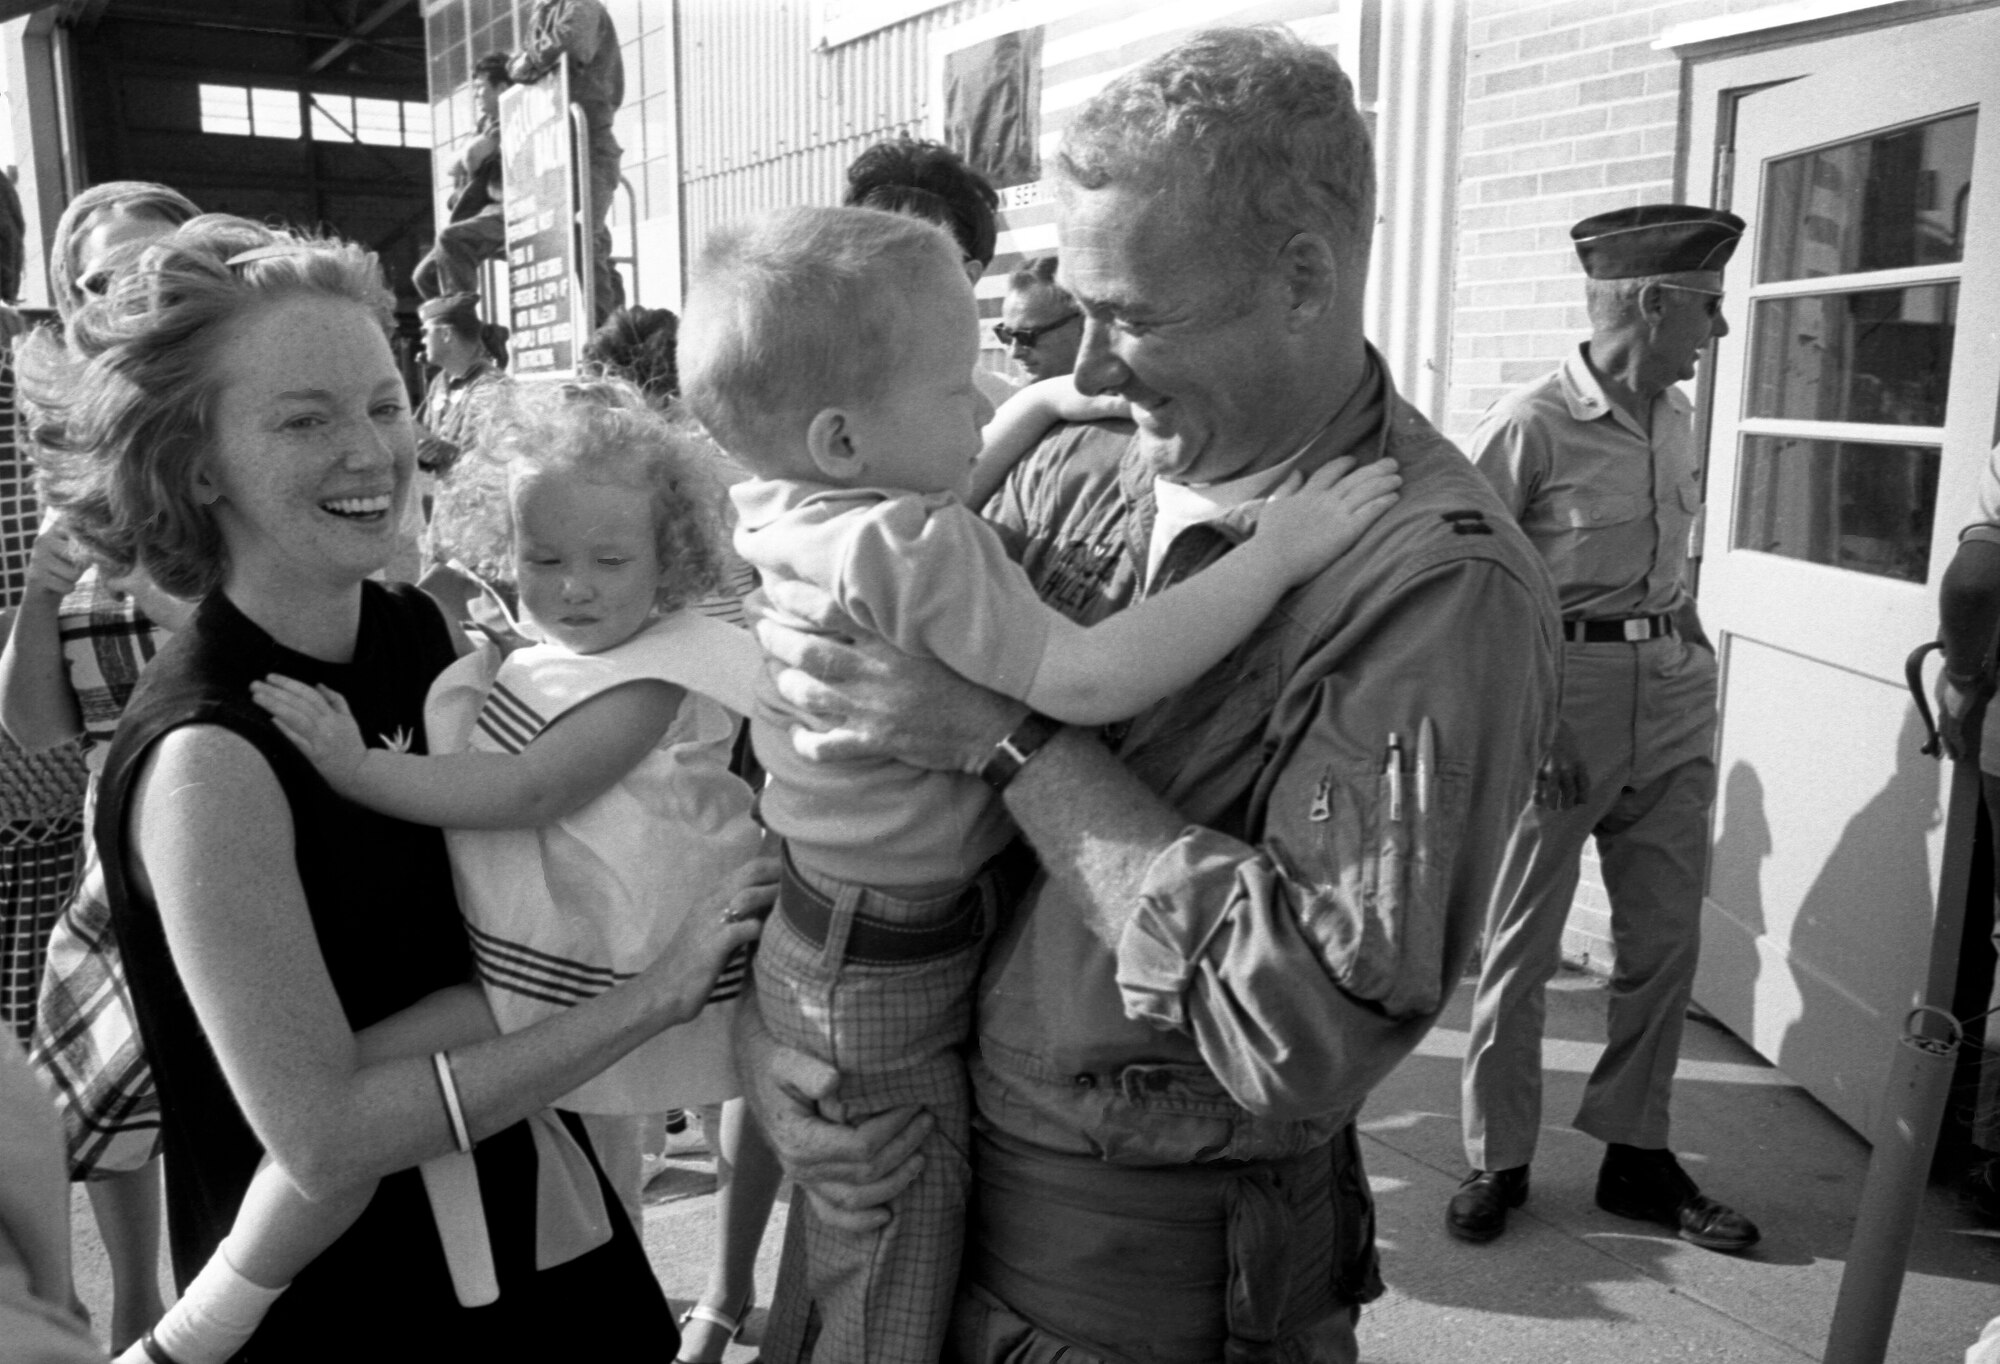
(1597, 461)
(467, 353)
(455, 340)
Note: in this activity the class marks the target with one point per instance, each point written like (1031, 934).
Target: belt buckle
(1637, 628)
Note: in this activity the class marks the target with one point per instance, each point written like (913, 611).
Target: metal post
(1919, 1080)
(632, 235)
(586, 225)
(1905, 1139)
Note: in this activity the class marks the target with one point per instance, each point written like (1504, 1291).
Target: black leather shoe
(1478, 1211)
(1651, 1186)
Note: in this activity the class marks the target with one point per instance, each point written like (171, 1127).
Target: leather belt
(1630, 630)
(963, 914)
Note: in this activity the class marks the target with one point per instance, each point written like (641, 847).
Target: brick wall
(1569, 111)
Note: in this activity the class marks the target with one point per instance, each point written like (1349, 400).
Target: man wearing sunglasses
(1598, 462)
(1040, 324)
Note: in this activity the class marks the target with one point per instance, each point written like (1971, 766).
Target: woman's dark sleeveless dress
(380, 895)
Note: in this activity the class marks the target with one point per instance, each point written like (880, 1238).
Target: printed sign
(546, 308)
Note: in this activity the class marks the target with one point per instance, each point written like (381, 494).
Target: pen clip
(1426, 763)
(1392, 768)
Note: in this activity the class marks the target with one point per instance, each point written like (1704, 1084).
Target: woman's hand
(849, 1172)
(318, 722)
(847, 695)
(686, 969)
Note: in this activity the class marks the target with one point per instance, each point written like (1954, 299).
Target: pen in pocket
(1426, 763)
(1392, 768)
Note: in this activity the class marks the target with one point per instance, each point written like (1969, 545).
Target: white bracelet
(461, 1137)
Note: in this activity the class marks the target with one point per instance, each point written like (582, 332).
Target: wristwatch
(1011, 754)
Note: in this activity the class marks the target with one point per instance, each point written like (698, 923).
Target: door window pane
(1883, 355)
(1880, 202)
(1852, 504)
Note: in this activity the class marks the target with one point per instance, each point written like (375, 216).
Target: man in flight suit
(1598, 463)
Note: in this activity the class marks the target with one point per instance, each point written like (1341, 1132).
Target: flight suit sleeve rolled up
(1308, 963)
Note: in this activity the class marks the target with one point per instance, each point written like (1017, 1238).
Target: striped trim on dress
(509, 721)
(550, 979)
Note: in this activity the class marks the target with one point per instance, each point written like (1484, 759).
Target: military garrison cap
(460, 310)
(1656, 239)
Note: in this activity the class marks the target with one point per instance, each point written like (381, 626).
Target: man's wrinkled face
(1690, 317)
(1205, 353)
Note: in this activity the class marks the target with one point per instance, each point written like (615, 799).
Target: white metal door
(1855, 403)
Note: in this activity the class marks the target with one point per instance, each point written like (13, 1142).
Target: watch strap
(1011, 754)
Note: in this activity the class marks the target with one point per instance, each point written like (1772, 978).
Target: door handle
(1913, 676)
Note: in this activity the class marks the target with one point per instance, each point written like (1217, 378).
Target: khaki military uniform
(1610, 507)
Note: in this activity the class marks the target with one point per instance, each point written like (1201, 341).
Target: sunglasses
(1715, 296)
(1028, 336)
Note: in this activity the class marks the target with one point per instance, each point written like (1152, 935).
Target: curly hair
(123, 414)
(928, 180)
(599, 431)
(1256, 127)
(637, 344)
(135, 198)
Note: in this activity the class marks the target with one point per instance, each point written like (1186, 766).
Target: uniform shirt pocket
(1581, 534)
(1562, 512)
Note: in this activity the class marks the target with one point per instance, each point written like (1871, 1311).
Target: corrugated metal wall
(767, 120)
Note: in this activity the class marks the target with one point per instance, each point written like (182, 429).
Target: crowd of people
(1033, 820)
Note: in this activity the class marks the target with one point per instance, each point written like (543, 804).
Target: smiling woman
(232, 420)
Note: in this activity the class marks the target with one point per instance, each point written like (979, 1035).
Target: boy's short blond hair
(796, 311)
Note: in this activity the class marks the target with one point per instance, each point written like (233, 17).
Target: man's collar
(1360, 427)
(1583, 392)
(476, 370)
(1362, 421)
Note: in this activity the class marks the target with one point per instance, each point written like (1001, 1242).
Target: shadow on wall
(1865, 921)
(1736, 880)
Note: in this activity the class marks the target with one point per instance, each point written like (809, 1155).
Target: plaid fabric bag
(86, 1041)
(86, 1036)
(37, 874)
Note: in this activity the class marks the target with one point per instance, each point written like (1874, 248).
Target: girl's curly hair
(599, 431)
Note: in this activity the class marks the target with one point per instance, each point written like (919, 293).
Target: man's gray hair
(1255, 125)
(1613, 303)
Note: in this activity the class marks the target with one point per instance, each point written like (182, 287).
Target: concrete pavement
(1567, 1284)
